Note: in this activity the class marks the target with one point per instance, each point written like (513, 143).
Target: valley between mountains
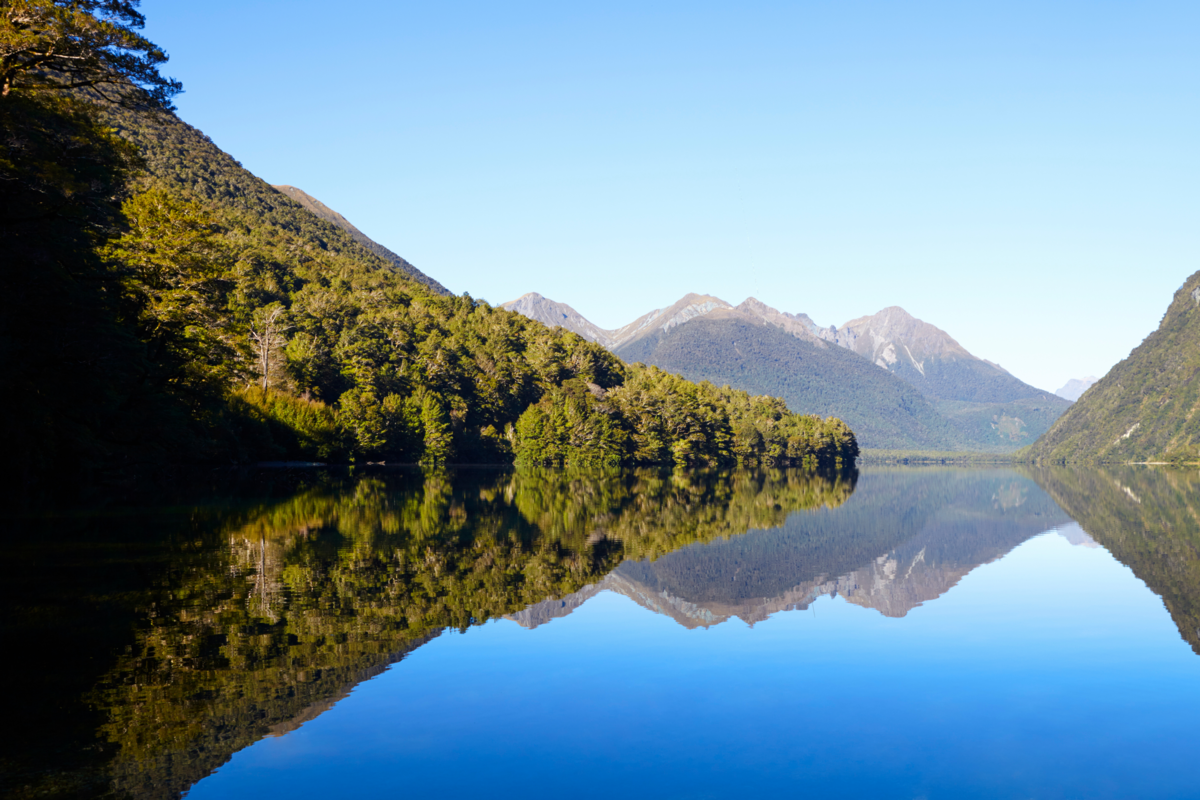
(899, 382)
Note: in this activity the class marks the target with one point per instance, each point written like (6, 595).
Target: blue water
(1052, 672)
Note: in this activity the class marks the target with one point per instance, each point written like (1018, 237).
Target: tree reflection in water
(158, 642)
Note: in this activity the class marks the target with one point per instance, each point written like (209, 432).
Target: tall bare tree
(266, 331)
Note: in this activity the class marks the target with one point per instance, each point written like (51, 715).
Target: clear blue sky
(1026, 176)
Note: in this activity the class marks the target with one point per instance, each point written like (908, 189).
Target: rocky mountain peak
(558, 315)
(894, 334)
(799, 325)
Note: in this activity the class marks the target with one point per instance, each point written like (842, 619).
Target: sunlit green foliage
(207, 281)
(657, 417)
(52, 45)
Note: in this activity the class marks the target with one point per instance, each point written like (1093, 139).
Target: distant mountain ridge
(1073, 389)
(926, 391)
(326, 213)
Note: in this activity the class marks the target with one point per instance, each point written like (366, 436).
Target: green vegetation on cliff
(1147, 408)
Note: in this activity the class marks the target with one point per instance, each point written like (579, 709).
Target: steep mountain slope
(325, 212)
(1147, 408)
(930, 359)
(1073, 389)
(726, 347)
(990, 407)
(183, 160)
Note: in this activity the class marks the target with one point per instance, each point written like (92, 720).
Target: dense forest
(161, 304)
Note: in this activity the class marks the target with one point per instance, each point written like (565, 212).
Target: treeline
(156, 310)
(657, 417)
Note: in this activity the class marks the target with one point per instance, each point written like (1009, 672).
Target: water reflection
(1149, 518)
(906, 537)
(167, 641)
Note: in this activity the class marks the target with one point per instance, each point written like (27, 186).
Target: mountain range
(900, 382)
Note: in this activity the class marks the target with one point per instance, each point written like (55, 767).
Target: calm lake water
(890, 633)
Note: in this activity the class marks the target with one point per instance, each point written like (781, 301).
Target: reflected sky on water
(898, 633)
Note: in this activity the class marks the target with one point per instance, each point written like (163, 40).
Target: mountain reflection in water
(167, 639)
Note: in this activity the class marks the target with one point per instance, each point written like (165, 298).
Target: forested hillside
(162, 304)
(1147, 408)
(184, 162)
(326, 213)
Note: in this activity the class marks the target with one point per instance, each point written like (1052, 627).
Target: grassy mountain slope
(725, 348)
(1147, 408)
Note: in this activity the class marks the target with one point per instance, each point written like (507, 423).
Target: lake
(908, 632)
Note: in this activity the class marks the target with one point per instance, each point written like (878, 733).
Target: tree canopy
(72, 44)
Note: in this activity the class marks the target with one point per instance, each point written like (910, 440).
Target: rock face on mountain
(561, 315)
(986, 403)
(558, 315)
(326, 213)
(1073, 389)
(930, 359)
(1147, 408)
(924, 391)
